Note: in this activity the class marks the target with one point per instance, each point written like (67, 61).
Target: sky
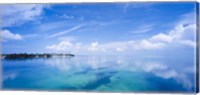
(100, 28)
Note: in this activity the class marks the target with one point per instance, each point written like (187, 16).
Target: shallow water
(100, 74)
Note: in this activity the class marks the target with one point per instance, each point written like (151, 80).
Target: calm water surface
(101, 73)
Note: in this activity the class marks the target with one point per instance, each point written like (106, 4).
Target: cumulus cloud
(180, 35)
(161, 38)
(93, 46)
(62, 46)
(119, 49)
(119, 46)
(18, 14)
(183, 34)
(65, 46)
(7, 35)
(146, 44)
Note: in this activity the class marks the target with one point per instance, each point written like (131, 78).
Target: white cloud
(180, 35)
(18, 14)
(183, 34)
(65, 16)
(93, 46)
(188, 43)
(7, 35)
(67, 31)
(119, 49)
(71, 17)
(177, 31)
(118, 46)
(65, 46)
(145, 44)
(161, 38)
(188, 18)
(62, 46)
(143, 29)
(44, 27)
(129, 6)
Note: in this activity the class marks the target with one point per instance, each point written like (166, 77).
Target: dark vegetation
(27, 56)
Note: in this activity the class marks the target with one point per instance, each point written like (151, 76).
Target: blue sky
(104, 28)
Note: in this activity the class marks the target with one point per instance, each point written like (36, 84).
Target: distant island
(27, 56)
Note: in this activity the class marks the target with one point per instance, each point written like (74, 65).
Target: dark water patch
(85, 71)
(102, 79)
(104, 74)
(166, 85)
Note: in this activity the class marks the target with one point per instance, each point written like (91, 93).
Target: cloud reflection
(10, 76)
(91, 64)
(164, 71)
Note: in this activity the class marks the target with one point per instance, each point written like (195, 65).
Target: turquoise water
(100, 74)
